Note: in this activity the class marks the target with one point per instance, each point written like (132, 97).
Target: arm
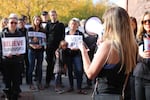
(93, 68)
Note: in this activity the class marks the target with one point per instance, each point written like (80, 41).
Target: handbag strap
(95, 88)
(124, 86)
(97, 79)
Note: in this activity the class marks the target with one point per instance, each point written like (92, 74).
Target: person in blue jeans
(35, 54)
(76, 60)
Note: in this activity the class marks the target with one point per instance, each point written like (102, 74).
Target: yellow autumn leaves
(66, 8)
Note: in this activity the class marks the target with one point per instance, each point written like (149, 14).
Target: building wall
(136, 8)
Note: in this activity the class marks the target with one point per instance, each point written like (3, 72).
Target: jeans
(142, 89)
(78, 67)
(38, 57)
(26, 60)
(58, 79)
(70, 72)
(132, 87)
(50, 52)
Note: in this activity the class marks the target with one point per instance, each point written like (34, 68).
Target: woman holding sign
(73, 37)
(142, 70)
(36, 43)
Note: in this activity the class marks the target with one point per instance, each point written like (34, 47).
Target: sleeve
(47, 28)
(141, 49)
(0, 49)
(62, 31)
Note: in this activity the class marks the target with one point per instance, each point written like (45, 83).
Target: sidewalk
(50, 94)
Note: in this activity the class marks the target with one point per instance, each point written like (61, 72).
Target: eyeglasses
(13, 23)
(146, 21)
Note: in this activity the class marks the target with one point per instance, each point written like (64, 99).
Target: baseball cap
(44, 13)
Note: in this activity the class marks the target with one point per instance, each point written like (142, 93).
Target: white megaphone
(93, 26)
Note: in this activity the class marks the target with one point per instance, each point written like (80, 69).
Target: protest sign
(73, 40)
(13, 45)
(37, 38)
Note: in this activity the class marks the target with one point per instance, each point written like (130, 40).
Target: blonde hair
(141, 29)
(118, 29)
(63, 42)
(75, 20)
(52, 11)
(3, 22)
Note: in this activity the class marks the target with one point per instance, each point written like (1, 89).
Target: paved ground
(50, 94)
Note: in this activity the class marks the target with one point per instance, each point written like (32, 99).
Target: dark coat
(55, 32)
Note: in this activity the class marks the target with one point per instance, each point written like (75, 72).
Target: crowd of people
(121, 56)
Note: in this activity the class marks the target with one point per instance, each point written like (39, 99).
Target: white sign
(13, 45)
(73, 40)
(37, 38)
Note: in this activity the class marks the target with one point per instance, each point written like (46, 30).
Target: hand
(99, 41)
(38, 46)
(9, 56)
(83, 48)
(56, 54)
(32, 46)
(17, 54)
(146, 54)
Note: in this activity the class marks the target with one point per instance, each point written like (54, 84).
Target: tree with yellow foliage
(66, 8)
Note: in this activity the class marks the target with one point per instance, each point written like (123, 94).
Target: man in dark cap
(45, 18)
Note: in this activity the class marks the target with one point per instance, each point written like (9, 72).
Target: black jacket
(31, 42)
(55, 32)
(6, 33)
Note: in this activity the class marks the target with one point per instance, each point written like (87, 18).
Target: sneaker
(59, 91)
(32, 87)
(82, 92)
(40, 87)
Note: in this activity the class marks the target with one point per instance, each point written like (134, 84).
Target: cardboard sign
(13, 45)
(37, 38)
(73, 40)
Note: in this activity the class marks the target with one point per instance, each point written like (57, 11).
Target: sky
(114, 1)
(121, 3)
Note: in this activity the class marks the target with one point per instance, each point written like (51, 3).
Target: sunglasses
(13, 23)
(146, 21)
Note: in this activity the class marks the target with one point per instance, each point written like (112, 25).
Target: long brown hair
(33, 24)
(118, 29)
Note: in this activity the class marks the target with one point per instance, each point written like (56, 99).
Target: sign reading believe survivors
(13, 45)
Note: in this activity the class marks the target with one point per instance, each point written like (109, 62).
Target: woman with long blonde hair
(142, 70)
(35, 52)
(116, 54)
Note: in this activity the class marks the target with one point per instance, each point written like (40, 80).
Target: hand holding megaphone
(83, 47)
